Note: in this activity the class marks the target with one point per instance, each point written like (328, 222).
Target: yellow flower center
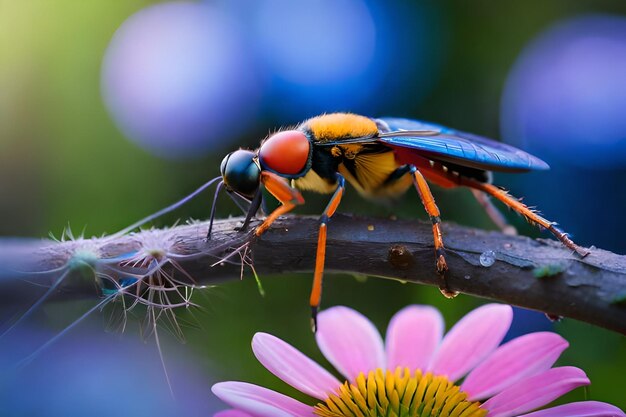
(399, 394)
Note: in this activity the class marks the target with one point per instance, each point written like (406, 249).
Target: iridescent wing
(441, 143)
(458, 147)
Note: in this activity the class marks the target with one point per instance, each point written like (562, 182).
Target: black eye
(241, 173)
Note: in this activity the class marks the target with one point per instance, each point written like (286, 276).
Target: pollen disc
(285, 152)
(401, 393)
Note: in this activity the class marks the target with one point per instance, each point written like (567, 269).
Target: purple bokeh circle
(178, 79)
(565, 98)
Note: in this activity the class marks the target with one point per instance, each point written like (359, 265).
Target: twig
(537, 274)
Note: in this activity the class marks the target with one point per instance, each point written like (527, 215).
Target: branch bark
(538, 274)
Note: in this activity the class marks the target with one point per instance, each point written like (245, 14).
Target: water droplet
(487, 258)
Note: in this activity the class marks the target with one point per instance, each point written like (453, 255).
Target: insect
(380, 158)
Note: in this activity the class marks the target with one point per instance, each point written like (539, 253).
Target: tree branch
(537, 274)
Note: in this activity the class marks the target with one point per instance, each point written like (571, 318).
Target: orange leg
(494, 214)
(433, 212)
(316, 291)
(288, 196)
(522, 209)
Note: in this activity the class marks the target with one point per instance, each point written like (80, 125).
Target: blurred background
(112, 110)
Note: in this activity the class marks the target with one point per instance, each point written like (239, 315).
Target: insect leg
(433, 212)
(255, 204)
(316, 291)
(494, 214)
(531, 216)
(288, 196)
(213, 206)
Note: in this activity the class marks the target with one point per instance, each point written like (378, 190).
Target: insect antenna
(164, 210)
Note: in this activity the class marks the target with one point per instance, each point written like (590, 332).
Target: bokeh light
(354, 55)
(100, 375)
(317, 53)
(318, 44)
(566, 95)
(177, 80)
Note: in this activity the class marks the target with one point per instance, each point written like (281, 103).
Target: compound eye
(240, 173)
(285, 152)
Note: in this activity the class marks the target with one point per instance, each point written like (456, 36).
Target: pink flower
(414, 374)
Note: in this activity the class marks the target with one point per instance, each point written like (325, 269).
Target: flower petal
(535, 391)
(520, 358)
(580, 409)
(471, 340)
(259, 401)
(232, 413)
(413, 336)
(293, 367)
(349, 341)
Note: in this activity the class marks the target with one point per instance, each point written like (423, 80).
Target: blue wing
(449, 145)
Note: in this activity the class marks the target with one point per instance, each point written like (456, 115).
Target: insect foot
(442, 267)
